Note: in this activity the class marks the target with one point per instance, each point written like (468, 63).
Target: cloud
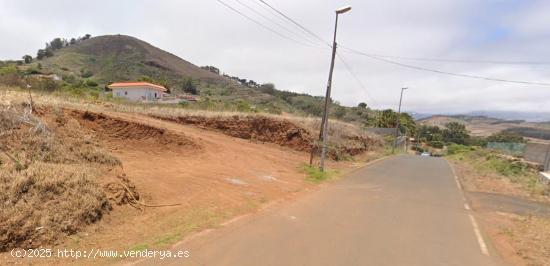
(206, 32)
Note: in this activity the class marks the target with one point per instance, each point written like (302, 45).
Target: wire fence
(516, 149)
(531, 152)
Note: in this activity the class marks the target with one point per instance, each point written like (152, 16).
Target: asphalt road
(406, 210)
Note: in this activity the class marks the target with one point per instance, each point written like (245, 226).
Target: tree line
(456, 133)
(55, 44)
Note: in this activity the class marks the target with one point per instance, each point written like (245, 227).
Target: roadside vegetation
(315, 175)
(497, 172)
(473, 153)
(50, 183)
(493, 165)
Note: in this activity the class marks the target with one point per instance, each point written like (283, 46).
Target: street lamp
(324, 122)
(398, 118)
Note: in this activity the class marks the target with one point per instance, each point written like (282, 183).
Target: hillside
(485, 126)
(112, 58)
(88, 64)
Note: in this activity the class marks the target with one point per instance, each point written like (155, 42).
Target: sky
(208, 33)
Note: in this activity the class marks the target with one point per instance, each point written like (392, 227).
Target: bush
(86, 73)
(243, 106)
(458, 148)
(505, 167)
(436, 144)
(91, 83)
(504, 136)
(183, 104)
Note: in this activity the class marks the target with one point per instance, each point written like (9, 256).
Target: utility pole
(398, 120)
(324, 123)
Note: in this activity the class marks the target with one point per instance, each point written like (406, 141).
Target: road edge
(477, 231)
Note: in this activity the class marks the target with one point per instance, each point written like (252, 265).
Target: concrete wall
(535, 152)
(137, 93)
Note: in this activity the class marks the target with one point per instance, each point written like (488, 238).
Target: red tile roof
(136, 84)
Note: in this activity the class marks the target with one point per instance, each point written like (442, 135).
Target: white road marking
(458, 183)
(477, 231)
(480, 240)
(455, 176)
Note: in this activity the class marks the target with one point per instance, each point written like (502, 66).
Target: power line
(444, 72)
(446, 60)
(296, 23)
(382, 58)
(502, 62)
(352, 73)
(285, 21)
(276, 23)
(262, 25)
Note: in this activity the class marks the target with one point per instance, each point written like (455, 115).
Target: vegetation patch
(490, 164)
(315, 175)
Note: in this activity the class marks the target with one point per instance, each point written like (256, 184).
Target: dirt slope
(212, 175)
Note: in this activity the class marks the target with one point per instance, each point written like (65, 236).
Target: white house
(137, 91)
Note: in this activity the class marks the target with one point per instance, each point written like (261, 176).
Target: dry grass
(483, 170)
(531, 239)
(48, 178)
(345, 139)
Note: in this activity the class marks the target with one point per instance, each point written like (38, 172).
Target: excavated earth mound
(110, 128)
(278, 131)
(257, 128)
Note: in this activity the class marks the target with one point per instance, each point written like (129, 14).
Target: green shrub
(91, 83)
(505, 136)
(243, 106)
(86, 73)
(109, 95)
(183, 104)
(436, 144)
(505, 167)
(458, 148)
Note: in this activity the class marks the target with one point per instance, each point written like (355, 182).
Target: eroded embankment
(57, 176)
(256, 128)
(278, 131)
(114, 129)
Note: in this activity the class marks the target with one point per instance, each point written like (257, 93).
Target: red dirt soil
(259, 128)
(214, 176)
(278, 131)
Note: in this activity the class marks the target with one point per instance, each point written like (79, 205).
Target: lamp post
(324, 122)
(398, 119)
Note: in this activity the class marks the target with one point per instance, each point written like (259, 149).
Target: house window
(155, 95)
(125, 92)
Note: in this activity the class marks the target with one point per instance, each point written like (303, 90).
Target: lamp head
(343, 10)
